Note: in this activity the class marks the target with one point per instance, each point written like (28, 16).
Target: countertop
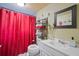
(66, 50)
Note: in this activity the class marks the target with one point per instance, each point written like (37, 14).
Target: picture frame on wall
(66, 18)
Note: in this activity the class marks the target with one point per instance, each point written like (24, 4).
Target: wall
(13, 6)
(59, 33)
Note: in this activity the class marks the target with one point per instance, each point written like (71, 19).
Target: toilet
(33, 50)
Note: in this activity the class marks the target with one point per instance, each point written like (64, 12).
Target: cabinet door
(42, 53)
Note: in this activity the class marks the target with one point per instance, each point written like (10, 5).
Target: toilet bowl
(33, 50)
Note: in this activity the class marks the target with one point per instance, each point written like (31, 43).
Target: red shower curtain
(17, 31)
(32, 30)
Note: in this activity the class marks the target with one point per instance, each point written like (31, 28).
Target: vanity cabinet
(46, 50)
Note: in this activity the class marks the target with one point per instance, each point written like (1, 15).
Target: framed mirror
(66, 18)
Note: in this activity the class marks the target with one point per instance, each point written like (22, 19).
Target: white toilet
(33, 50)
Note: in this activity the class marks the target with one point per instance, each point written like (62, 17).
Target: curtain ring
(7, 11)
(14, 13)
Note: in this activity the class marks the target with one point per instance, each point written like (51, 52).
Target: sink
(56, 43)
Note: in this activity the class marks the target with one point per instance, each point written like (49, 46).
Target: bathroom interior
(39, 29)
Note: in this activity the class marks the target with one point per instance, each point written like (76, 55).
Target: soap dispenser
(72, 42)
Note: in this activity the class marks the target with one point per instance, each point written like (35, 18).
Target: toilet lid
(33, 49)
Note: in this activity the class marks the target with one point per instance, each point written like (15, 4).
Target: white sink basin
(58, 44)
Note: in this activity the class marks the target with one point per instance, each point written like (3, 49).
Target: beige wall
(59, 33)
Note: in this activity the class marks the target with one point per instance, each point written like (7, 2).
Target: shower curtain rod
(15, 11)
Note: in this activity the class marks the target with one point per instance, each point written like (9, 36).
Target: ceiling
(35, 6)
